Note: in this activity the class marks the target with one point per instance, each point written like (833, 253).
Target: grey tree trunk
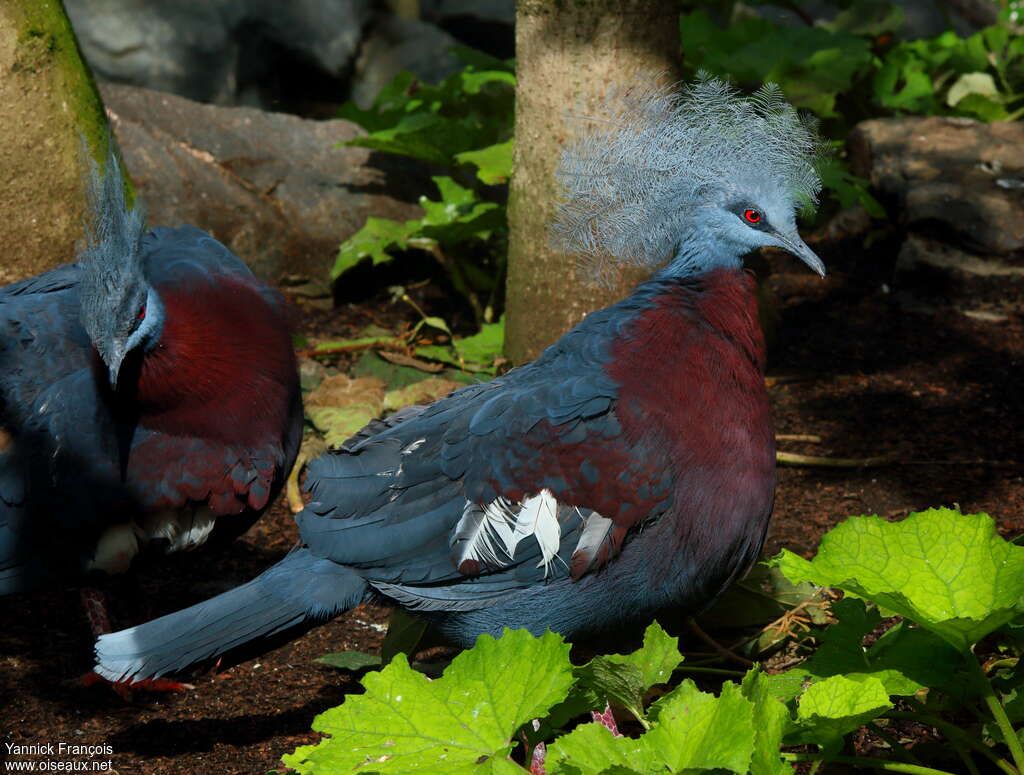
(48, 100)
(568, 54)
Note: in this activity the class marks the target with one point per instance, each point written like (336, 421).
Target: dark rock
(948, 177)
(395, 44)
(273, 187)
(219, 51)
(953, 185)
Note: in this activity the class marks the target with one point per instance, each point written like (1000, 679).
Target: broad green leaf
(651, 664)
(949, 572)
(848, 188)
(867, 18)
(591, 748)
(810, 64)
(693, 729)
(838, 705)
(981, 84)
(483, 347)
(404, 634)
(905, 660)
(454, 724)
(982, 107)
(656, 659)
(493, 163)
(350, 660)
(769, 721)
(616, 681)
(425, 136)
(435, 322)
(374, 240)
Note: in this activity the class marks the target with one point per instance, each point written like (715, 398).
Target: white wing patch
(489, 534)
(538, 517)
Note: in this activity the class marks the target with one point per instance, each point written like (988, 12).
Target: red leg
(97, 610)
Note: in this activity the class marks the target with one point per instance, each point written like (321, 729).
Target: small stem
(952, 733)
(729, 655)
(866, 761)
(998, 712)
(965, 757)
(711, 671)
(898, 750)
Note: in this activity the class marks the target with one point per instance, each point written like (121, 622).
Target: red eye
(752, 216)
(142, 312)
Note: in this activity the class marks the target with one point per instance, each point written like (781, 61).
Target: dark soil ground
(870, 373)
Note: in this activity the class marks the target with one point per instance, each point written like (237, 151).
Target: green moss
(46, 40)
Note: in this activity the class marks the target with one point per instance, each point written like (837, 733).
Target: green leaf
(493, 163)
(655, 659)
(616, 681)
(404, 634)
(949, 572)
(350, 660)
(483, 347)
(981, 84)
(693, 729)
(836, 706)
(981, 107)
(453, 724)
(436, 322)
(848, 188)
(810, 64)
(769, 722)
(905, 660)
(591, 749)
(377, 237)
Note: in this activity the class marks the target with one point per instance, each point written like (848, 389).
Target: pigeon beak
(114, 358)
(793, 244)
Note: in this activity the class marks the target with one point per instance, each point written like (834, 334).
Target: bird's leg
(97, 610)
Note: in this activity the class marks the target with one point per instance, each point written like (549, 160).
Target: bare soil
(869, 372)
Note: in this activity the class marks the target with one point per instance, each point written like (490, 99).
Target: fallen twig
(718, 647)
(793, 459)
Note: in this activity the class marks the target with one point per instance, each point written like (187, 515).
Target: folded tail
(280, 604)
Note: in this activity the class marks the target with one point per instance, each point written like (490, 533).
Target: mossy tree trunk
(568, 54)
(48, 101)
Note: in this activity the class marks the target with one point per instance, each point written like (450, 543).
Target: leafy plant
(851, 69)
(465, 125)
(949, 577)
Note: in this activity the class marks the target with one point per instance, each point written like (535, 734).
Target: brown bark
(568, 54)
(48, 100)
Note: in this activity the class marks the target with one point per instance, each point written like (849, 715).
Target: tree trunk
(568, 54)
(48, 100)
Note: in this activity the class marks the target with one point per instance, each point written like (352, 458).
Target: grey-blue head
(119, 308)
(692, 180)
